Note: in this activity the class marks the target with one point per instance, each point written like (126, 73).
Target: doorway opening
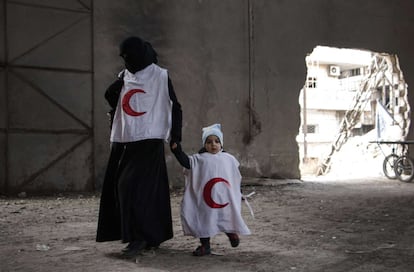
(351, 99)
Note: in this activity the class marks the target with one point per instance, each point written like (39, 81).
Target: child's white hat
(212, 130)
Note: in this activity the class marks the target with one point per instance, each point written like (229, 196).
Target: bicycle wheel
(388, 166)
(404, 169)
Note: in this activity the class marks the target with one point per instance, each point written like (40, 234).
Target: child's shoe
(234, 239)
(202, 251)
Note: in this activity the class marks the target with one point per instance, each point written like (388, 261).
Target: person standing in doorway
(135, 201)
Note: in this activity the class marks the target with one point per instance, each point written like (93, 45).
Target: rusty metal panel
(73, 5)
(2, 161)
(48, 92)
(3, 125)
(44, 163)
(49, 100)
(3, 109)
(2, 34)
(34, 41)
(3, 105)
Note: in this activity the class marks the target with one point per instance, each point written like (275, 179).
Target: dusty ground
(298, 226)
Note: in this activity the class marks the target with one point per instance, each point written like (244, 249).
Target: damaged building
(238, 63)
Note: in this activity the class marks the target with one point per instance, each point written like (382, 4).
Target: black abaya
(135, 200)
(144, 193)
(109, 221)
(136, 205)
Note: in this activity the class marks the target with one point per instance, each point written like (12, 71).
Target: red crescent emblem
(126, 106)
(207, 193)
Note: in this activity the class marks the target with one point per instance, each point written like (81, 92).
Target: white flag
(383, 121)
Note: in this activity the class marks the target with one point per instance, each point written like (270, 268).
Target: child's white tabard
(212, 197)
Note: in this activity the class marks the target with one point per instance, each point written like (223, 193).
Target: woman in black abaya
(135, 200)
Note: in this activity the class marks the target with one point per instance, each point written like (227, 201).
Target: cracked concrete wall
(242, 64)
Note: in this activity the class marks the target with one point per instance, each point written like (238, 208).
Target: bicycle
(398, 164)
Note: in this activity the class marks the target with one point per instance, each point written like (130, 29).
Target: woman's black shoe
(134, 248)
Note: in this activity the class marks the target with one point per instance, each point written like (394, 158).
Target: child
(212, 198)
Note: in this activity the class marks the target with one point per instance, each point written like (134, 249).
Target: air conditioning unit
(334, 70)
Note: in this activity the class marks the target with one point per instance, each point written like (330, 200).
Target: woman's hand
(174, 146)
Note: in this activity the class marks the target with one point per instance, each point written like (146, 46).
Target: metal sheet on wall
(2, 35)
(2, 160)
(3, 115)
(3, 105)
(48, 92)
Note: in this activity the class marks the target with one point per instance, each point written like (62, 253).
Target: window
(356, 72)
(311, 129)
(311, 82)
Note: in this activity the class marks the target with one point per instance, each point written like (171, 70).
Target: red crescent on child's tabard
(207, 193)
(126, 106)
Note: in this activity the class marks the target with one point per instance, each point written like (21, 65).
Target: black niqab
(137, 54)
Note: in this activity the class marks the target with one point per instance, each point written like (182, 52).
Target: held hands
(174, 146)
(180, 155)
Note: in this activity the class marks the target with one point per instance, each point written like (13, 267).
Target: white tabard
(212, 199)
(144, 107)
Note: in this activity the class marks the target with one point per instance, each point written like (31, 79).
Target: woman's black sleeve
(112, 95)
(177, 115)
(113, 91)
(181, 156)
